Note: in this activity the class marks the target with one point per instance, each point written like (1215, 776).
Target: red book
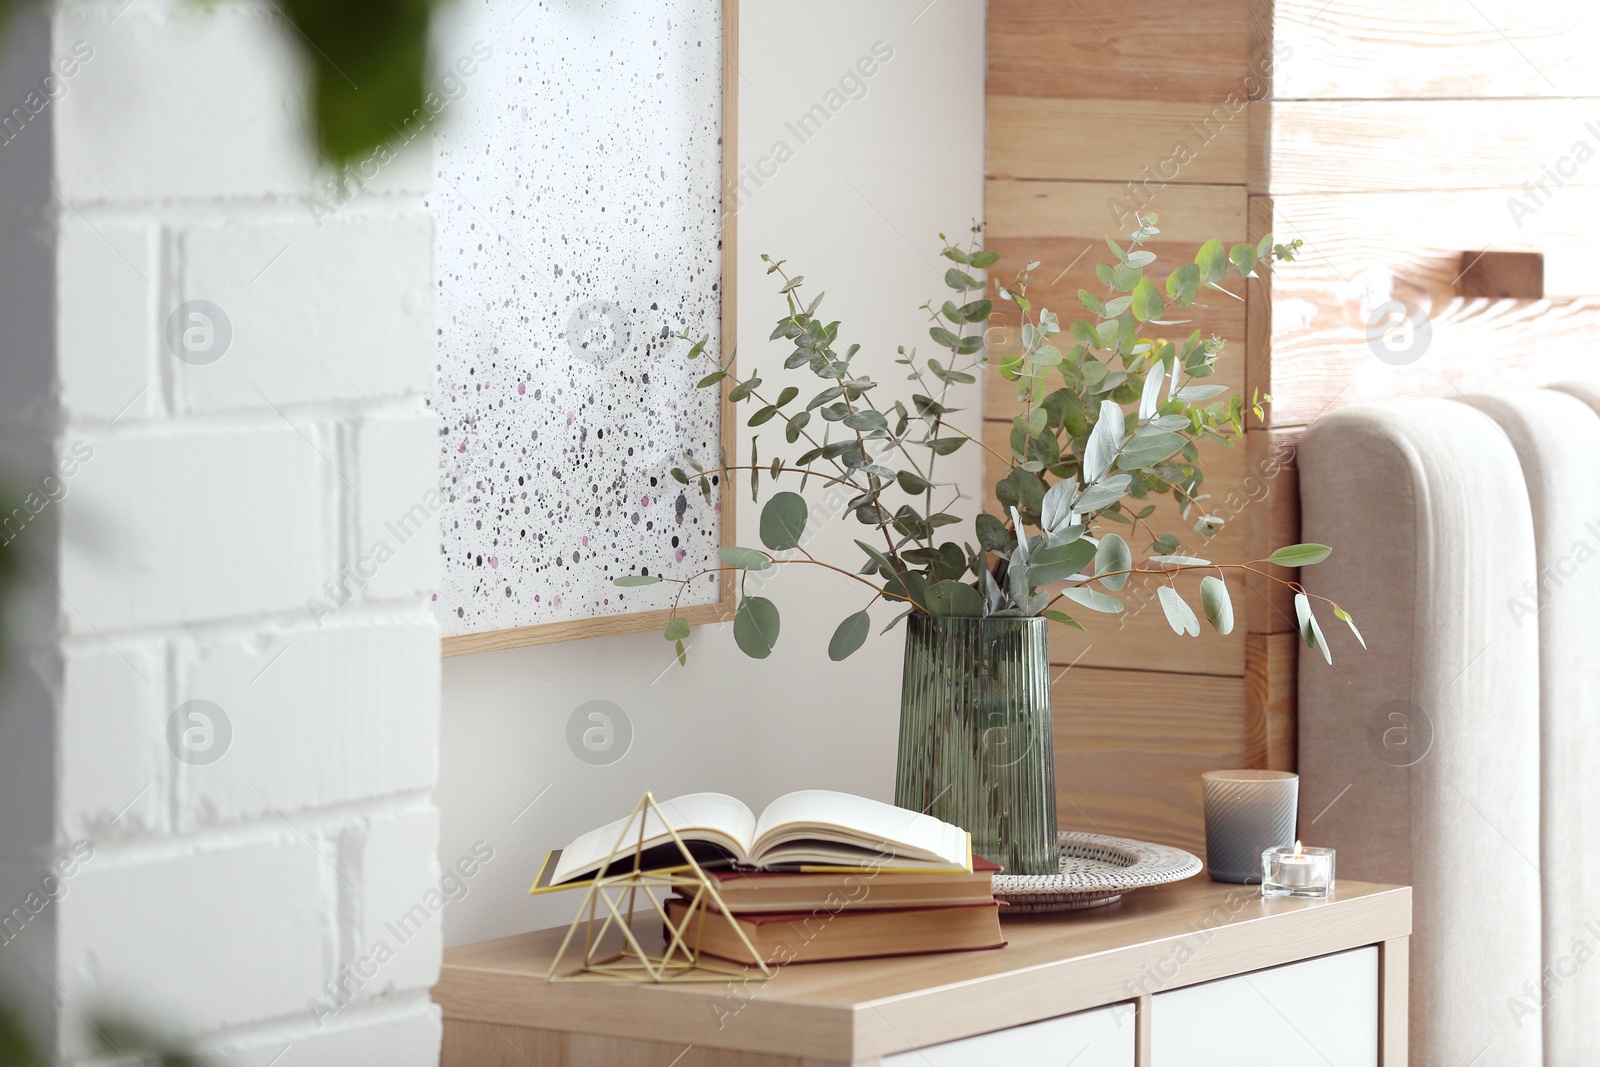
(750, 892)
(818, 935)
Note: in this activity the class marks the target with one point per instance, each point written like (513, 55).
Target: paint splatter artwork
(578, 172)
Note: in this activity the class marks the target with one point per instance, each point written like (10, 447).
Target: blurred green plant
(1078, 460)
(367, 61)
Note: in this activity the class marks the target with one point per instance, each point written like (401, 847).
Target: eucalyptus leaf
(1179, 615)
(1094, 600)
(1058, 562)
(1147, 303)
(1055, 511)
(1310, 632)
(991, 532)
(1212, 259)
(954, 600)
(1150, 396)
(1113, 554)
(677, 628)
(783, 521)
(1184, 284)
(851, 635)
(1300, 555)
(908, 586)
(1340, 613)
(755, 626)
(1102, 494)
(1217, 604)
(1063, 618)
(1147, 451)
(1101, 449)
(630, 581)
(748, 559)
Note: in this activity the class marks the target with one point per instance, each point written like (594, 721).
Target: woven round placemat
(1095, 870)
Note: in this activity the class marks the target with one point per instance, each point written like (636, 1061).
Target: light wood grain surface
(1379, 49)
(1189, 214)
(1344, 146)
(1131, 746)
(849, 1012)
(1034, 137)
(1101, 50)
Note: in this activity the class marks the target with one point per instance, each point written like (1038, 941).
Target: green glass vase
(976, 747)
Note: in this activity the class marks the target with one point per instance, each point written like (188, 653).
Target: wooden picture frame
(722, 609)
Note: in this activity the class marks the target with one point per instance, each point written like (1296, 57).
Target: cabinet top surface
(1155, 939)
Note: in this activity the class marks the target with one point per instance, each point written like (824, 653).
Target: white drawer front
(1322, 1011)
(1099, 1038)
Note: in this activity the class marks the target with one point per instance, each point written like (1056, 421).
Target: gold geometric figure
(681, 960)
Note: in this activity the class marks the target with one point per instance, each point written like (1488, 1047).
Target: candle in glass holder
(1297, 871)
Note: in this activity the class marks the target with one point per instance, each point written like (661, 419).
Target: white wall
(191, 508)
(856, 209)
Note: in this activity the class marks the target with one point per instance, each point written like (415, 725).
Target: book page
(848, 819)
(714, 817)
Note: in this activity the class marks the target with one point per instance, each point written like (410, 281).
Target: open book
(805, 830)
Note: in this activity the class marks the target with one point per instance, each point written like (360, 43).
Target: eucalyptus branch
(1103, 437)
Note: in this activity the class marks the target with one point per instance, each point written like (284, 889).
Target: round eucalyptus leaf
(783, 520)
(954, 600)
(1113, 555)
(744, 558)
(851, 635)
(755, 626)
(677, 628)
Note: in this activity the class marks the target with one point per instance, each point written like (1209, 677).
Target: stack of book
(819, 875)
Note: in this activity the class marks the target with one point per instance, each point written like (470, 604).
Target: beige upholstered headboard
(1461, 752)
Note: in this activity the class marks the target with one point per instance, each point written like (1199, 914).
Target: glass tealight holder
(1294, 871)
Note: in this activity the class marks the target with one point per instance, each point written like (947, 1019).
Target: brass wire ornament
(680, 960)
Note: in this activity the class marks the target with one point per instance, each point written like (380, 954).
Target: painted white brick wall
(230, 741)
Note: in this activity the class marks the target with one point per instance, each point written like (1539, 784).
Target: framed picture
(584, 217)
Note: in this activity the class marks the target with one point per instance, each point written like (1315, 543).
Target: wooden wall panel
(1102, 50)
(1130, 748)
(1097, 113)
(1190, 214)
(1378, 49)
(1032, 137)
(1273, 671)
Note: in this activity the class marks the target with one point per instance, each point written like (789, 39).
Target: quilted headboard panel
(1420, 757)
(1556, 435)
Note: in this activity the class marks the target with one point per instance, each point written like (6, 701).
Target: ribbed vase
(976, 747)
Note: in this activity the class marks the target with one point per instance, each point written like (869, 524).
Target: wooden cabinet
(1184, 975)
